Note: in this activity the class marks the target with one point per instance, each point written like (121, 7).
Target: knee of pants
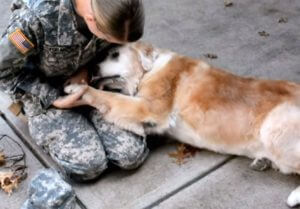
(82, 169)
(123, 148)
(71, 141)
(88, 173)
(130, 158)
(87, 161)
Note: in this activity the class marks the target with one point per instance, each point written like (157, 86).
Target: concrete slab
(5, 101)
(5, 14)
(235, 185)
(198, 27)
(158, 177)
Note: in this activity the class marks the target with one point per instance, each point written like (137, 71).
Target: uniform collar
(80, 24)
(66, 23)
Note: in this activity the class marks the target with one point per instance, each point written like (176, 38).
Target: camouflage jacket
(43, 32)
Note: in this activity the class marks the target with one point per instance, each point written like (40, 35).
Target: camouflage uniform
(62, 44)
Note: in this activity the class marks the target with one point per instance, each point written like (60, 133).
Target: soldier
(45, 43)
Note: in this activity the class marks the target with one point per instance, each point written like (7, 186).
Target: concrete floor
(209, 180)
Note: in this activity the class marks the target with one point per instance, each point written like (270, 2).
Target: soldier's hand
(72, 100)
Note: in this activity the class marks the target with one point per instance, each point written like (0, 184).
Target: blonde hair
(122, 19)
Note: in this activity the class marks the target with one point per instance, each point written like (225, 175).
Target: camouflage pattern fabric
(81, 145)
(123, 148)
(48, 190)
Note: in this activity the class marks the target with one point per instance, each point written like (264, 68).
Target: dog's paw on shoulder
(73, 88)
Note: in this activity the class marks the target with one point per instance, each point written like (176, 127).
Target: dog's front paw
(294, 198)
(73, 88)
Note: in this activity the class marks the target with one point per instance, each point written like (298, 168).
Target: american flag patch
(20, 41)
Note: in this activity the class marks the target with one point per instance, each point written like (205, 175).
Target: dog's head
(126, 65)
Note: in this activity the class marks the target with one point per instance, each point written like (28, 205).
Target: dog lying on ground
(202, 106)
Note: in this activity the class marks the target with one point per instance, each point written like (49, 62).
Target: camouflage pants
(83, 146)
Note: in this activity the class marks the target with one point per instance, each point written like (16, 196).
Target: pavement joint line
(189, 183)
(80, 203)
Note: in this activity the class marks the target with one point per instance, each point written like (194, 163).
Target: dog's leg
(280, 135)
(261, 164)
(129, 113)
(294, 198)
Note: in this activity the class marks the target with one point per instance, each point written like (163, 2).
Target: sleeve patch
(20, 41)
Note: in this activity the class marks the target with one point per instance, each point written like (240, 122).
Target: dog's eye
(115, 55)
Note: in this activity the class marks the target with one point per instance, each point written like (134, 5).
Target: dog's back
(211, 108)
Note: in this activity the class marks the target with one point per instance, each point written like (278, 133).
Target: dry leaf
(283, 20)
(2, 158)
(228, 3)
(15, 108)
(211, 56)
(263, 33)
(183, 152)
(9, 182)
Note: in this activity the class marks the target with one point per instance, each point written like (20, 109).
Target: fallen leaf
(228, 3)
(263, 33)
(9, 182)
(283, 20)
(211, 56)
(15, 108)
(2, 158)
(183, 152)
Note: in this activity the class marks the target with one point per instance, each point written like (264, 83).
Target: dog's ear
(145, 52)
(146, 62)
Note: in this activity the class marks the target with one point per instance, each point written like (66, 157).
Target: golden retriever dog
(198, 104)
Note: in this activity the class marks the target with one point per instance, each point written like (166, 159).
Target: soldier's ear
(91, 23)
(89, 18)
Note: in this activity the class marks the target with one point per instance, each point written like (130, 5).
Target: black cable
(20, 169)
